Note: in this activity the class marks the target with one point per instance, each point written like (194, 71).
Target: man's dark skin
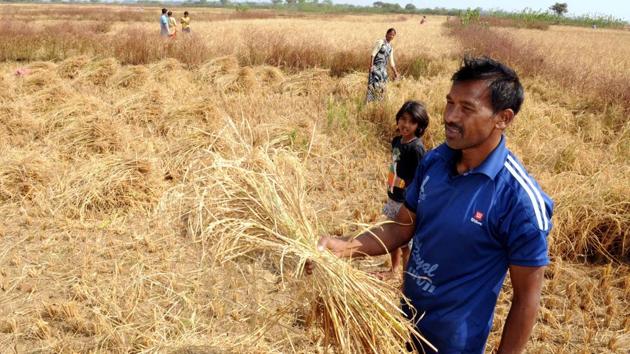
(472, 127)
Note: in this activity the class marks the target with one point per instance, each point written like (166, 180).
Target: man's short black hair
(391, 30)
(505, 87)
(164, 11)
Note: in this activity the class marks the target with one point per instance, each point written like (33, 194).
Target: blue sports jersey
(470, 227)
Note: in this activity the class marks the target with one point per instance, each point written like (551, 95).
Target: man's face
(390, 36)
(468, 118)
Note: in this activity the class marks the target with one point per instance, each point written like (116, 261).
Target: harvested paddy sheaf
(94, 134)
(107, 185)
(144, 108)
(23, 174)
(71, 67)
(131, 77)
(98, 72)
(254, 202)
(75, 108)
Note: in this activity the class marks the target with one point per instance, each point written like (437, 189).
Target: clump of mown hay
(592, 218)
(351, 84)
(23, 175)
(107, 184)
(74, 108)
(98, 72)
(50, 98)
(130, 77)
(16, 127)
(172, 75)
(210, 71)
(144, 108)
(166, 67)
(307, 82)
(255, 201)
(71, 67)
(200, 114)
(95, 134)
(38, 80)
(246, 80)
(270, 75)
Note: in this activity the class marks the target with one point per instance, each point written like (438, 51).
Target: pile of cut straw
(254, 201)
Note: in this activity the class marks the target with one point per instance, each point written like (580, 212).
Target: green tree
(560, 8)
(410, 7)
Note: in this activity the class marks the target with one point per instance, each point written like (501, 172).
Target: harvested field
(169, 205)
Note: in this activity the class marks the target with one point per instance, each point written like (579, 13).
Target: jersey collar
(490, 167)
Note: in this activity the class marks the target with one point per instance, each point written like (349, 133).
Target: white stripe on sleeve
(539, 197)
(529, 193)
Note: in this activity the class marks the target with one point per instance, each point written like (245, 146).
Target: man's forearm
(378, 240)
(518, 325)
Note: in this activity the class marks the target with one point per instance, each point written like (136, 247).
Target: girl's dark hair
(418, 115)
(170, 13)
(185, 13)
(391, 30)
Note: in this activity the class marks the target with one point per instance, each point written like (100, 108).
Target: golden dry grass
(127, 195)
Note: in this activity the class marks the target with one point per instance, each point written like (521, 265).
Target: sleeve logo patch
(477, 218)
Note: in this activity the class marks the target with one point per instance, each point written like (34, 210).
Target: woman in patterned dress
(382, 54)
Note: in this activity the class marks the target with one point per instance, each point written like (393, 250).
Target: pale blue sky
(617, 8)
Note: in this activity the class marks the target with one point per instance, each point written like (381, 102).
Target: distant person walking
(185, 21)
(382, 54)
(172, 25)
(164, 31)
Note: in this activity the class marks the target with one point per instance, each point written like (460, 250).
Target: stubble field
(127, 166)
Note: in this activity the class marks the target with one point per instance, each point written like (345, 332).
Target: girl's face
(407, 127)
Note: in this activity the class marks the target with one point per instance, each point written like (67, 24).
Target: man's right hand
(336, 246)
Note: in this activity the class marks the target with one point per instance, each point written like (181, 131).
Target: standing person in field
(185, 21)
(382, 54)
(164, 30)
(424, 19)
(474, 213)
(172, 25)
(412, 121)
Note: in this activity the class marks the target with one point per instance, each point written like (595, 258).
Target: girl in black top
(407, 150)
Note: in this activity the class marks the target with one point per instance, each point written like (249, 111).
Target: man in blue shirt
(164, 31)
(473, 213)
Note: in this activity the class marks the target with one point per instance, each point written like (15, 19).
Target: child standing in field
(164, 32)
(172, 25)
(407, 150)
(185, 21)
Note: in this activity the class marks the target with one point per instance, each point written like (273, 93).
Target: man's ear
(504, 118)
